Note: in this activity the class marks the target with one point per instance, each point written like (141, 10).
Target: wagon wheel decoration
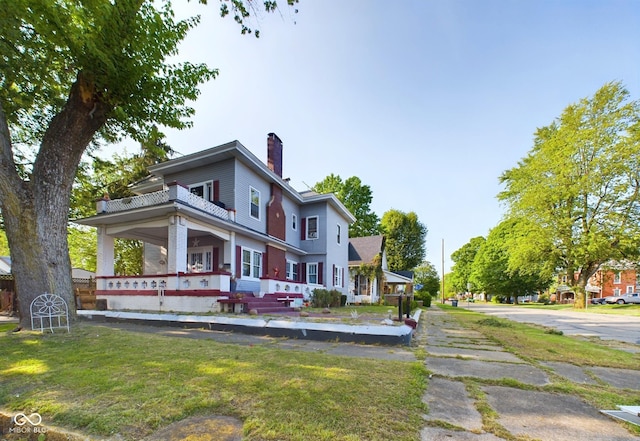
(49, 304)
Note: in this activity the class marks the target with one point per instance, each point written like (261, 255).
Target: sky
(427, 102)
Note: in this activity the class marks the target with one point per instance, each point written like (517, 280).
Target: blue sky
(427, 102)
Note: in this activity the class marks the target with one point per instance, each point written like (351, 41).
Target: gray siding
(291, 208)
(246, 178)
(223, 171)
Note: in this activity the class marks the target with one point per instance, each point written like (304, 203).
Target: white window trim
(252, 263)
(337, 276)
(317, 267)
(630, 289)
(317, 233)
(207, 259)
(251, 191)
(207, 189)
(290, 274)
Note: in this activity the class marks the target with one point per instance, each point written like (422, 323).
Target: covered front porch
(190, 257)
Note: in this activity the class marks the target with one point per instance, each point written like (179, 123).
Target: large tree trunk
(36, 211)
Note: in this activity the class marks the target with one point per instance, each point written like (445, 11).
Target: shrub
(543, 298)
(322, 298)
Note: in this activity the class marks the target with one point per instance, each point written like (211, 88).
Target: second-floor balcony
(174, 193)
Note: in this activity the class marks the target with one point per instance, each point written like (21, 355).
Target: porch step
(272, 309)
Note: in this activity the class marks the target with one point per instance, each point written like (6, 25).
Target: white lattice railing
(202, 204)
(145, 200)
(162, 197)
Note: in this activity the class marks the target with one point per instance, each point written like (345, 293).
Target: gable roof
(236, 150)
(363, 250)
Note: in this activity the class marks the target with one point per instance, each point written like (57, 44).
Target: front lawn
(104, 381)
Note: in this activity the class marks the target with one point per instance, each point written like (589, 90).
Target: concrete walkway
(457, 357)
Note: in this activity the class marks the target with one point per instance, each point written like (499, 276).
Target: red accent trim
(303, 272)
(215, 261)
(320, 273)
(238, 261)
(157, 276)
(343, 277)
(167, 293)
(216, 190)
(303, 228)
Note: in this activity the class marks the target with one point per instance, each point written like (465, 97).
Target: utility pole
(442, 271)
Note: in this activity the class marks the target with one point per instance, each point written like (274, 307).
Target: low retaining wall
(365, 334)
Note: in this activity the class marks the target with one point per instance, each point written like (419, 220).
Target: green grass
(632, 310)
(104, 381)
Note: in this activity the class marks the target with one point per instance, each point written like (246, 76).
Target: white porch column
(105, 254)
(177, 249)
(230, 253)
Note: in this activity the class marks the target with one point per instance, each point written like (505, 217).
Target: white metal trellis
(49, 311)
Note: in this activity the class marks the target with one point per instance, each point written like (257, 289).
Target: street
(606, 326)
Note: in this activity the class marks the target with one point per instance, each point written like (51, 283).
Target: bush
(322, 298)
(544, 299)
(426, 300)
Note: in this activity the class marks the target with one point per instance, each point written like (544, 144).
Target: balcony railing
(175, 192)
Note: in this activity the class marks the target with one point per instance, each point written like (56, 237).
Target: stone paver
(574, 373)
(475, 354)
(620, 378)
(453, 367)
(458, 409)
(552, 417)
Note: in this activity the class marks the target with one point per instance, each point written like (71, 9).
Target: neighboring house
(612, 279)
(369, 273)
(219, 222)
(617, 278)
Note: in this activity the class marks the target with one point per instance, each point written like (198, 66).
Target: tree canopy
(405, 239)
(427, 275)
(463, 259)
(490, 271)
(357, 198)
(579, 188)
(72, 74)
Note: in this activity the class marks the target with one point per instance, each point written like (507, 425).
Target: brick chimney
(274, 153)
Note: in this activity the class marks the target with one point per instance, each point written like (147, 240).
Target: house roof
(363, 250)
(235, 149)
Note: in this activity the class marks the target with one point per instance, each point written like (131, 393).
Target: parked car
(598, 300)
(624, 298)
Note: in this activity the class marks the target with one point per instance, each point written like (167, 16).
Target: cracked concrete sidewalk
(456, 355)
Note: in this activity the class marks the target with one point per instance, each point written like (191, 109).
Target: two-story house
(219, 224)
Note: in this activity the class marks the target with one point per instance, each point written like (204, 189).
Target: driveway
(605, 326)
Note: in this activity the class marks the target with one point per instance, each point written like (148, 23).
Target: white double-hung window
(312, 273)
(337, 276)
(312, 227)
(292, 270)
(254, 202)
(251, 263)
